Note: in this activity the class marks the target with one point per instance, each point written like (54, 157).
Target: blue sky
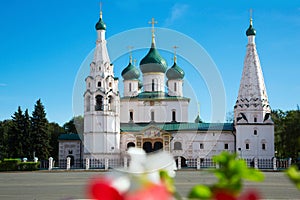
(43, 44)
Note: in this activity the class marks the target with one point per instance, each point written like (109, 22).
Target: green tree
(40, 136)
(4, 129)
(27, 145)
(287, 133)
(75, 125)
(54, 130)
(16, 135)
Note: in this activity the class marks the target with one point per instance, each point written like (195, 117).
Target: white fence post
(68, 163)
(87, 163)
(50, 163)
(290, 162)
(125, 162)
(255, 163)
(106, 163)
(179, 163)
(198, 163)
(274, 163)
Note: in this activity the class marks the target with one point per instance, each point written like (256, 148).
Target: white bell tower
(101, 103)
(252, 112)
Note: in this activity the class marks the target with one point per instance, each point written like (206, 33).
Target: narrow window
(255, 119)
(109, 84)
(129, 87)
(152, 115)
(89, 85)
(226, 146)
(263, 146)
(130, 116)
(99, 84)
(247, 146)
(175, 87)
(201, 146)
(173, 115)
(99, 103)
(153, 84)
(255, 132)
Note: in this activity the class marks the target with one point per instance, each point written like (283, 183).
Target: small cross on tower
(153, 22)
(175, 58)
(130, 53)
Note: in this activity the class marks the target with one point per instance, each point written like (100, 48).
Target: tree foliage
(287, 133)
(39, 133)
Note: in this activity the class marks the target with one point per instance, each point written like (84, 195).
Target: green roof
(155, 96)
(250, 30)
(153, 62)
(69, 136)
(100, 25)
(130, 72)
(175, 72)
(175, 126)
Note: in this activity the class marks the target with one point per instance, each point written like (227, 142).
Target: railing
(196, 163)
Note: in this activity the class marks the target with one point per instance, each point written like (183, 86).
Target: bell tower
(101, 103)
(252, 112)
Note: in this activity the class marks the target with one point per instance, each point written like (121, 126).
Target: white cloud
(177, 11)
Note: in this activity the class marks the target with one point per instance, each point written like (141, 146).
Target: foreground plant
(230, 174)
(149, 177)
(294, 175)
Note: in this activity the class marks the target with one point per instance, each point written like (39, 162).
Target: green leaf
(294, 176)
(200, 192)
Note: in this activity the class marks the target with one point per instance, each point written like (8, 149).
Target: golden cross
(153, 22)
(130, 53)
(100, 9)
(251, 15)
(175, 47)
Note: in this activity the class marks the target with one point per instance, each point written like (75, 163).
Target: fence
(196, 163)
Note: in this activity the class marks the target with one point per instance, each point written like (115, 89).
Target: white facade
(253, 123)
(101, 103)
(155, 116)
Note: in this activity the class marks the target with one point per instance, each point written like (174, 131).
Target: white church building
(153, 112)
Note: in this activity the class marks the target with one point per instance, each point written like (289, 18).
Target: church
(153, 112)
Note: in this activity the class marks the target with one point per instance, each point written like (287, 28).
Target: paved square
(44, 185)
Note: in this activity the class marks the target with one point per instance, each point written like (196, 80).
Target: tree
(54, 130)
(27, 144)
(40, 136)
(16, 135)
(4, 129)
(287, 133)
(75, 125)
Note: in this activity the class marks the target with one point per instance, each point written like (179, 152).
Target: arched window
(255, 119)
(175, 87)
(247, 146)
(109, 84)
(130, 87)
(152, 115)
(131, 115)
(99, 84)
(263, 146)
(110, 103)
(153, 85)
(174, 115)
(255, 132)
(177, 146)
(99, 103)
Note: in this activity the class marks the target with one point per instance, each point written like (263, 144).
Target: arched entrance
(72, 161)
(130, 144)
(158, 146)
(183, 162)
(147, 146)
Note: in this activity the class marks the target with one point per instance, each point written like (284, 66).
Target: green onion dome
(175, 72)
(100, 24)
(250, 30)
(130, 72)
(153, 62)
